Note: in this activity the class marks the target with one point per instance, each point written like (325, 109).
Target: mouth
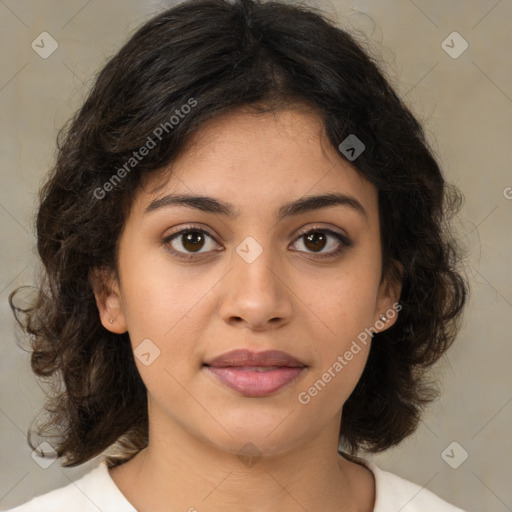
(255, 374)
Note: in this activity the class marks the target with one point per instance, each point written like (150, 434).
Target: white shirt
(97, 491)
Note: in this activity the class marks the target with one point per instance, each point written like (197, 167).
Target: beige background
(465, 104)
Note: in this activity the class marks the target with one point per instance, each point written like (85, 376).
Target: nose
(256, 293)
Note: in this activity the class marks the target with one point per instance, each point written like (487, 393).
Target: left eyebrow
(301, 205)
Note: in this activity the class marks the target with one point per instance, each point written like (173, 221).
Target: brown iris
(313, 238)
(192, 238)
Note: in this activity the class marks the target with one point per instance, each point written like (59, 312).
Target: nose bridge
(254, 262)
(255, 291)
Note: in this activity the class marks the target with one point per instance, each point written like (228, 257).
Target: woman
(247, 264)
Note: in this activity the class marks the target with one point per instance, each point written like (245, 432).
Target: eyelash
(345, 242)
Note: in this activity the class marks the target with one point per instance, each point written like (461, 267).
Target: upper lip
(244, 357)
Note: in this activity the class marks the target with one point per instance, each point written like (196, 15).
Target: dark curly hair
(224, 55)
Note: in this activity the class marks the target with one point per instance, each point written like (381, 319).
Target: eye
(317, 239)
(188, 239)
(189, 242)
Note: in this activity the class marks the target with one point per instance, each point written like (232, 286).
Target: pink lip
(242, 371)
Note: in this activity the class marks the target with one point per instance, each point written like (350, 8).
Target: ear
(388, 297)
(108, 299)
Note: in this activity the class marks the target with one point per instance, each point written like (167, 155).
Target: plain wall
(465, 104)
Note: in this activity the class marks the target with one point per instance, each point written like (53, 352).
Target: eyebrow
(301, 205)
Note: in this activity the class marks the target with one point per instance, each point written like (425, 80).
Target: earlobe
(108, 300)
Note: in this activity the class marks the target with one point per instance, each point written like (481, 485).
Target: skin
(288, 299)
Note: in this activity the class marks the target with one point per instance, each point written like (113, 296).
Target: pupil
(312, 236)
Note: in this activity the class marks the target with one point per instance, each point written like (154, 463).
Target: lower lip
(254, 383)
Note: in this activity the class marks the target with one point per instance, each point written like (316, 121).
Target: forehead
(260, 159)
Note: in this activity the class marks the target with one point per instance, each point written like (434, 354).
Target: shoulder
(395, 493)
(94, 491)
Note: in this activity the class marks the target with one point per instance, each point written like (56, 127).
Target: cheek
(340, 351)
(340, 307)
(338, 369)
(159, 294)
(342, 303)
(170, 307)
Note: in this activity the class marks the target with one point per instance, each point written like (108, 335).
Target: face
(195, 283)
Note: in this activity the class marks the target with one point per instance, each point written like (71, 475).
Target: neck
(187, 473)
